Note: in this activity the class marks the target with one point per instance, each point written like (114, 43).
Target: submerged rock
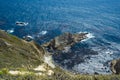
(65, 40)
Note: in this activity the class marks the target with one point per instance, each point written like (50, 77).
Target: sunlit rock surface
(115, 66)
(65, 40)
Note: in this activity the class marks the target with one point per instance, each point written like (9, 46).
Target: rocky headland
(24, 60)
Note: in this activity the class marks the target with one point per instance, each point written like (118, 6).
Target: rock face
(115, 66)
(65, 40)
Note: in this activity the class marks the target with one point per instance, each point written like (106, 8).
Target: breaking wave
(10, 30)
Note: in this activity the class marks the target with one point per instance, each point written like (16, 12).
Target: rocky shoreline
(65, 41)
(44, 52)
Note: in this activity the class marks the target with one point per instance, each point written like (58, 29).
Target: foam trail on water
(10, 31)
(96, 63)
(43, 32)
(89, 36)
(30, 36)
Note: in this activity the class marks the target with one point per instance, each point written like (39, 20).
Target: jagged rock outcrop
(115, 66)
(64, 40)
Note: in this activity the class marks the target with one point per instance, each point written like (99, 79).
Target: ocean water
(50, 18)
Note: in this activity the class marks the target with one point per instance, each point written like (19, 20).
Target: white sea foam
(95, 63)
(89, 36)
(10, 31)
(66, 49)
(30, 37)
(43, 32)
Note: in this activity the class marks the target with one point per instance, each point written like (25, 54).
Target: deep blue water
(99, 17)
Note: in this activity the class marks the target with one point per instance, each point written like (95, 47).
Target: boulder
(115, 66)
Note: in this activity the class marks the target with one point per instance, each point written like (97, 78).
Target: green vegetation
(59, 75)
(19, 55)
(3, 71)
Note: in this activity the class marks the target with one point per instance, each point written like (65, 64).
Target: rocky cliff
(22, 60)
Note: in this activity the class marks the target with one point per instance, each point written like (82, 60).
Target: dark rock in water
(96, 73)
(115, 66)
(64, 53)
(21, 23)
(2, 22)
(76, 55)
(65, 40)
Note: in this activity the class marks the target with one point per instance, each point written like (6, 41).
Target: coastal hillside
(22, 60)
(17, 53)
